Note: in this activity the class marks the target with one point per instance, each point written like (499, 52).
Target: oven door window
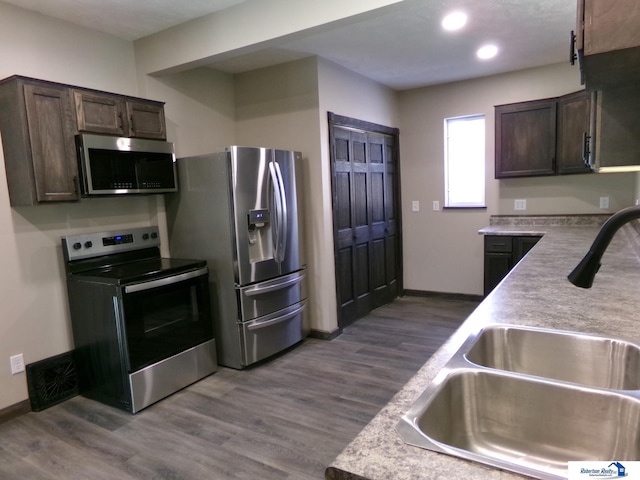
(163, 321)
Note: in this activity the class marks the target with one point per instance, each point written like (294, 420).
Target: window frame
(482, 204)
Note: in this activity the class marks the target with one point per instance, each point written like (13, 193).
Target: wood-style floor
(285, 419)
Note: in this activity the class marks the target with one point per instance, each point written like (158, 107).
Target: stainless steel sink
(528, 425)
(529, 400)
(571, 357)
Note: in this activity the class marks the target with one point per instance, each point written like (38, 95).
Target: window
(464, 161)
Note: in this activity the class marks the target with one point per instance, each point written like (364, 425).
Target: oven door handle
(162, 282)
(287, 316)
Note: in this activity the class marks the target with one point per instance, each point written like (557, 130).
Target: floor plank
(287, 418)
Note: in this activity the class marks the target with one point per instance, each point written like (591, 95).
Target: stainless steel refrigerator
(241, 211)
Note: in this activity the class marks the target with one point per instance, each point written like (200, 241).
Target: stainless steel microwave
(125, 166)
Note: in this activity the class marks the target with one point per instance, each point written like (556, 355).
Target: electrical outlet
(415, 206)
(17, 364)
(520, 204)
(436, 205)
(604, 203)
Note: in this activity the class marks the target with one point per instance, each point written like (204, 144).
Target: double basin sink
(529, 400)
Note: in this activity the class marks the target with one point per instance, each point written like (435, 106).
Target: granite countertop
(535, 293)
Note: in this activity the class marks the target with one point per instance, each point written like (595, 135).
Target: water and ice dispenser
(259, 234)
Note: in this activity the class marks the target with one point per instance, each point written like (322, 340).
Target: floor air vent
(52, 381)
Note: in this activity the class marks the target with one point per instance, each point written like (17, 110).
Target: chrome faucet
(583, 274)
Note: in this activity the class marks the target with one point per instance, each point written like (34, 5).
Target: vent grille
(51, 381)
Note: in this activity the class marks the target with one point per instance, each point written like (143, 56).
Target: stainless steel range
(142, 323)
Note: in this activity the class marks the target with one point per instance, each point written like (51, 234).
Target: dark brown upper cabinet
(542, 137)
(116, 115)
(525, 139)
(616, 123)
(146, 119)
(38, 127)
(607, 42)
(574, 130)
(39, 121)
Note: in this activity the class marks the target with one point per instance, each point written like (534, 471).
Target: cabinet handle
(132, 125)
(572, 51)
(586, 140)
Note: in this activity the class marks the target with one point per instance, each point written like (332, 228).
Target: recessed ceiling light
(487, 51)
(454, 21)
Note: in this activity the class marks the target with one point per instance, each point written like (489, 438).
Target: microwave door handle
(284, 226)
(85, 171)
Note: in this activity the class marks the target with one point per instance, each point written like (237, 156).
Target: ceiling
(403, 47)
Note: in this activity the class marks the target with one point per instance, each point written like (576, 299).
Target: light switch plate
(436, 205)
(604, 203)
(415, 206)
(520, 204)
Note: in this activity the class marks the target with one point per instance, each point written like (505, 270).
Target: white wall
(246, 28)
(278, 107)
(348, 94)
(35, 318)
(199, 108)
(200, 114)
(442, 250)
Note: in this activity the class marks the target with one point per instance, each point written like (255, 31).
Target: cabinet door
(496, 267)
(366, 221)
(617, 142)
(526, 139)
(146, 120)
(580, 29)
(522, 245)
(100, 113)
(574, 112)
(610, 26)
(51, 134)
(611, 38)
(498, 259)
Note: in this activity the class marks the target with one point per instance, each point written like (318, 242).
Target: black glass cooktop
(142, 270)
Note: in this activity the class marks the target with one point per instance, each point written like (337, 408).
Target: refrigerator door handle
(266, 323)
(277, 230)
(284, 226)
(259, 290)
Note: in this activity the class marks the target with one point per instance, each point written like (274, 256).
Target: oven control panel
(117, 240)
(87, 245)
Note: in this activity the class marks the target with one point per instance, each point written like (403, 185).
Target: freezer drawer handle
(139, 287)
(283, 318)
(272, 288)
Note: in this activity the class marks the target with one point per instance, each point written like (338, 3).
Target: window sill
(465, 208)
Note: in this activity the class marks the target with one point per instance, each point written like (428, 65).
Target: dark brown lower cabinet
(501, 254)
